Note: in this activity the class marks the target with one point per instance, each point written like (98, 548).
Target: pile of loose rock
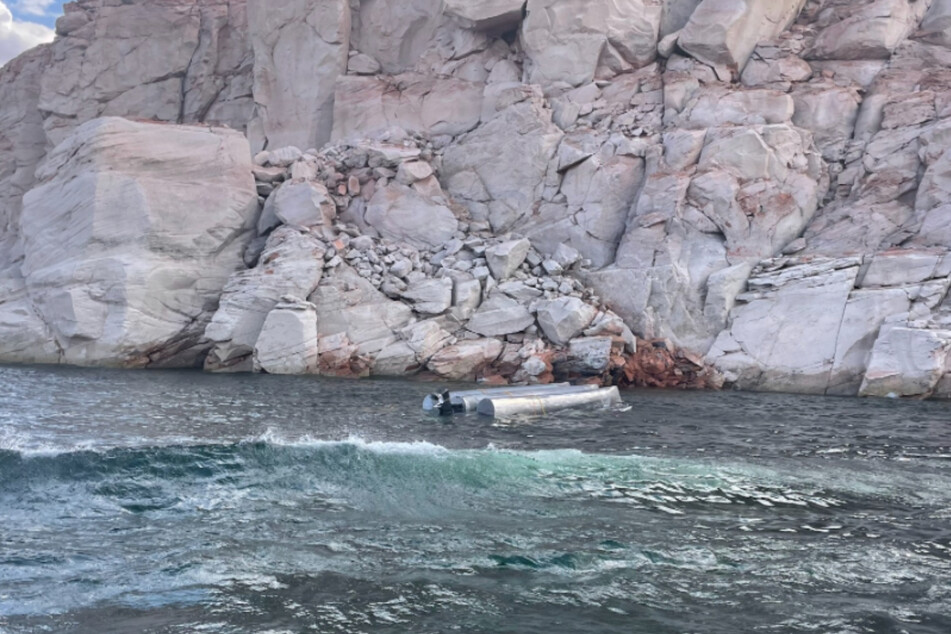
(365, 266)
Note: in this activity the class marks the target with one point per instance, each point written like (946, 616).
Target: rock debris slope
(669, 192)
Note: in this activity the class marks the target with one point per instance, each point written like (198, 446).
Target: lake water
(183, 502)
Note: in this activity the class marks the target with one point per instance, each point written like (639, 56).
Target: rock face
(195, 68)
(568, 40)
(300, 48)
(508, 189)
(126, 251)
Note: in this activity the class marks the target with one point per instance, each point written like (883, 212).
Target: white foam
(419, 447)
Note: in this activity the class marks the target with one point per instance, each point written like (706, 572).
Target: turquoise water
(180, 502)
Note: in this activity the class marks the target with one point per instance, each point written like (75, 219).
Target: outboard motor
(438, 402)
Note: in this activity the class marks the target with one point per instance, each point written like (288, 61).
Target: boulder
(907, 362)
(865, 313)
(599, 195)
(400, 213)
(564, 319)
(396, 359)
(488, 15)
(300, 48)
(115, 259)
(24, 337)
(676, 15)
(499, 316)
(590, 355)
(413, 171)
(292, 264)
(466, 359)
(288, 340)
(520, 291)
(299, 204)
(725, 32)
(430, 296)
(871, 30)
(904, 268)
(348, 305)
(466, 296)
(426, 338)
(506, 258)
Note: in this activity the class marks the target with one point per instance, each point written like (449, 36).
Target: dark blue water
(180, 502)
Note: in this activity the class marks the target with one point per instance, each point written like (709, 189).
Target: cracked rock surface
(659, 192)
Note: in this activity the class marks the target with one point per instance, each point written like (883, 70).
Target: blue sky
(26, 23)
(43, 11)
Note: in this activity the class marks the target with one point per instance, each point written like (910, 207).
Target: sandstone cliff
(508, 187)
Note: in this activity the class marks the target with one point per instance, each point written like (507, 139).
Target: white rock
(936, 26)
(399, 213)
(283, 156)
(466, 296)
(396, 359)
(300, 48)
(566, 256)
(567, 39)
(500, 315)
(361, 64)
(830, 114)
(865, 313)
(396, 32)
(900, 268)
(871, 31)
(288, 340)
(509, 156)
(24, 337)
(506, 258)
(299, 204)
(520, 291)
(116, 260)
(725, 32)
(765, 347)
(430, 296)
(413, 171)
(466, 359)
(368, 106)
(291, 264)
(426, 338)
(564, 319)
(159, 61)
(347, 304)
(487, 15)
(907, 362)
(534, 366)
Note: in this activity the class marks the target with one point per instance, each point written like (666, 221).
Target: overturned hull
(535, 405)
(469, 400)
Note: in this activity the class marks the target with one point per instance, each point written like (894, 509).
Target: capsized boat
(505, 402)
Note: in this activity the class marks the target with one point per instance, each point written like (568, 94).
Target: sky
(26, 23)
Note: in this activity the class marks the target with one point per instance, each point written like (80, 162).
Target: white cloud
(34, 7)
(17, 36)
